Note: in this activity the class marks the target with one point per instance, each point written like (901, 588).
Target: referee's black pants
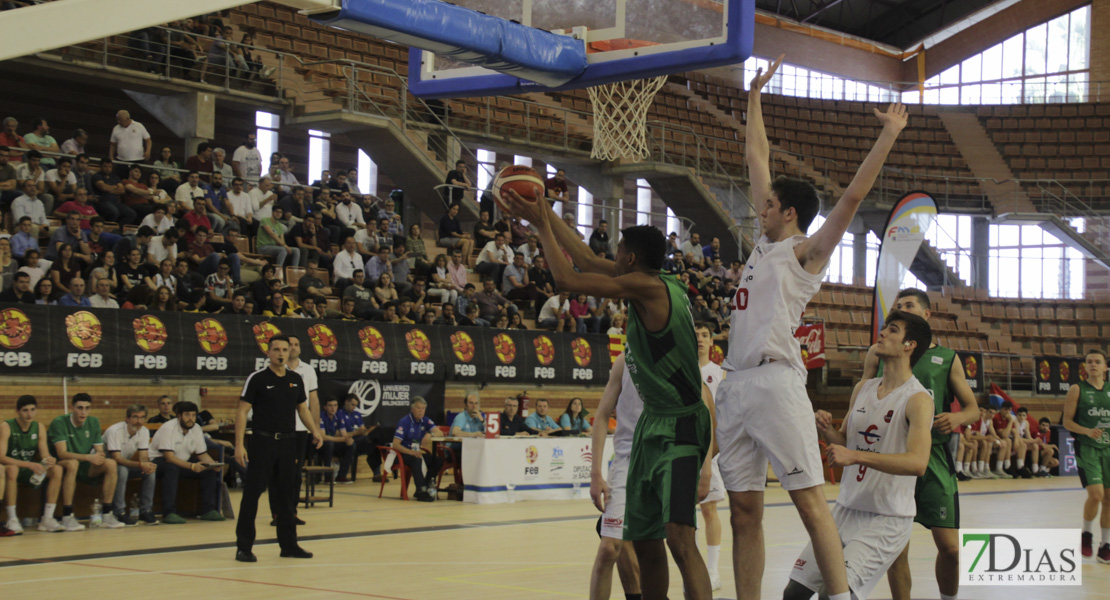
(299, 455)
(271, 463)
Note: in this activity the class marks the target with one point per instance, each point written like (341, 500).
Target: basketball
(525, 180)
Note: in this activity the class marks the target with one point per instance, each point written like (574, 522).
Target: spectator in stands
(311, 284)
(447, 315)
(556, 187)
(530, 249)
(167, 169)
(60, 181)
(83, 174)
(158, 221)
(512, 424)
(23, 242)
(30, 205)
(675, 264)
(137, 195)
(1047, 449)
(240, 206)
(384, 237)
(76, 437)
(346, 262)
(517, 322)
(105, 269)
(540, 421)
(109, 187)
(238, 305)
(64, 270)
(470, 318)
(413, 430)
(79, 204)
(41, 140)
(574, 418)
(693, 247)
(617, 324)
(197, 218)
(20, 292)
(347, 310)
(69, 234)
(277, 306)
(713, 249)
(541, 277)
(271, 240)
(313, 242)
(24, 453)
(179, 451)
(515, 284)
(97, 241)
(201, 162)
(76, 295)
(133, 272)
(349, 216)
(190, 285)
(492, 304)
(716, 269)
(287, 178)
(216, 196)
(385, 291)
(12, 140)
(163, 277)
(451, 235)
(32, 170)
(44, 292)
(75, 145)
(414, 247)
(103, 297)
(263, 198)
(190, 192)
(571, 219)
(247, 160)
(128, 443)
(443, 288)
(484, 229)
(9, 183)
(365, 302)
(599, 240)
(735, 271)
(130, 142)
(164, 300)
(312, 307)
(219, 286)
(336, 441)
(458, 178)
(8, 264)
(555, 314)
(494, 258)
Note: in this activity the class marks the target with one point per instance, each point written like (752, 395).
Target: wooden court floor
(371, 548)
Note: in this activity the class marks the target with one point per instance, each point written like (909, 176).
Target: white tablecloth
(516, 469)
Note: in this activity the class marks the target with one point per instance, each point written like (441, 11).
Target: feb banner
(909, 221)
(972, 363)
(1055, 375)
(71, 340)
(811, 337)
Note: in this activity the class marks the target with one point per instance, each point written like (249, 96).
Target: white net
(620, 117)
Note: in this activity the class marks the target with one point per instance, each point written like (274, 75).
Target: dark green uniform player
(1092, 457)
(79, 440)
(23, 445)
(673, 434)
(937, 494)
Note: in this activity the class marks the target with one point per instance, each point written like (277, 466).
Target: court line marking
(17, 562)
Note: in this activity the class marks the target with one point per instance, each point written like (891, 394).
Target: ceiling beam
(821, 9)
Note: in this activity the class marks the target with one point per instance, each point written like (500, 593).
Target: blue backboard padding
(467, 36)
(736, 48)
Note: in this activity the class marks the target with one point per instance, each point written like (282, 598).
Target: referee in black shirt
(274, 393)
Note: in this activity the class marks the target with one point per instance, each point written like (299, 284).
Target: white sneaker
(715, 581)
(51, 525)
(111, 522)
(70, 524)
(999, 474)
(14, 525)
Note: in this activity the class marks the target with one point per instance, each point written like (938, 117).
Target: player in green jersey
(673, 441)
(26, 458)
(938, 501)
(1087, 416)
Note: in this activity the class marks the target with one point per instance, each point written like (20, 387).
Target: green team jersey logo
(1093, 411)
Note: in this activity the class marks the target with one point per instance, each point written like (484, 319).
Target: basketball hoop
(620, 117)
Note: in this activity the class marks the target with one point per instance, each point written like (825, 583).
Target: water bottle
(97, 517)
(510, 492)
(134, 504)
(37, 478)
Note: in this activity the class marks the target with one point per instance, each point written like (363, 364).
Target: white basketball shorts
(612, 520)
(716, 484)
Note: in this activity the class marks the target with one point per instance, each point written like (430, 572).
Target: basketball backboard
(622, 39)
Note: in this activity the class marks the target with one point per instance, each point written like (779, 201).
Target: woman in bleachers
(502, 322)
(64, 269)
(616, 326)
(574, 418)
(163, 299)
(440, 286)
(167, 172)
(385, 291)
(44, 292)
(164, 276)
(8, 263)
(154, 184)
(517, 322)
(105, 268)
(414, 245)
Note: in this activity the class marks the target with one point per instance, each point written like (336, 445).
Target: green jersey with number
(22, 445)
(1093, 411)
(932, 370)
(664, 364)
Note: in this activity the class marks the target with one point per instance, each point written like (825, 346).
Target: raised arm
(538, 213)
(758, 149)
(814, 253)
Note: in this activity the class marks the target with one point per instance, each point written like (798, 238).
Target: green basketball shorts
(937, 494)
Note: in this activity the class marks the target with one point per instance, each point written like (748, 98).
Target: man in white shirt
(130, 142)
(349, 214)
(31, 170)
(247, 160)
(128, 443)
(263, 198)
(157, 221)
(178, 449)
(240, 205)
(103, 297)
(162, 247)
(288, 179)
(529, 249)
(61, 182)
(308, 374)
(221, 167)
(556, 313)
(494, 257)
(189, 191)
(29, 205)
(346, 262)
(693, 246)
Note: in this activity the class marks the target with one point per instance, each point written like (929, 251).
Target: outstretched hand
(761, 79)
(894, 118)
(534, 212)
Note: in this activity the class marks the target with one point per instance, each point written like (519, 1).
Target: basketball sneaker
(1088, 541)
(51, 525)
(13, 526)
(1104, 554)
(715, 581)
(69, 522)
(112, 522)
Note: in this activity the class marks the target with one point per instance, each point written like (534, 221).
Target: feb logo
(531, 455)
(263, 333)
(150, 333)
(504, 347)
(581, 350)
(83, 330)
(971, 367)
(1044, 370)
(15, 328)
(1065, 370)
(419, 345)
(323, 340)
(545, 350)
(211, 335)
(462, 346)
(716, 354)
(1082, 372)
(373, 343)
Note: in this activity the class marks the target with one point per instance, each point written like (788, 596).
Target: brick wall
(1100, 41)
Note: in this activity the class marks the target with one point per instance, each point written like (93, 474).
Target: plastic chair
(399, 469)
(450, 460)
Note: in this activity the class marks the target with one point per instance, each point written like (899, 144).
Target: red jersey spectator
(556, 187)
(198, 217)
(11, 139)
(79, 204)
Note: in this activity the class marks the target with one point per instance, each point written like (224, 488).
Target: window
(1047, 63)
(643, 202)
(367, 174)
(522, 160)
(951, 237)
(485, 169)
(792, 80)
(585, 211)
(841, 267)
(1028, 262)
(673, 222)
(267, 136)
(319, 154)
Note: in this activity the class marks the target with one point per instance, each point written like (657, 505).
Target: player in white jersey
(308, 374)
(883, 445)
(711, 375)
(763, 399)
